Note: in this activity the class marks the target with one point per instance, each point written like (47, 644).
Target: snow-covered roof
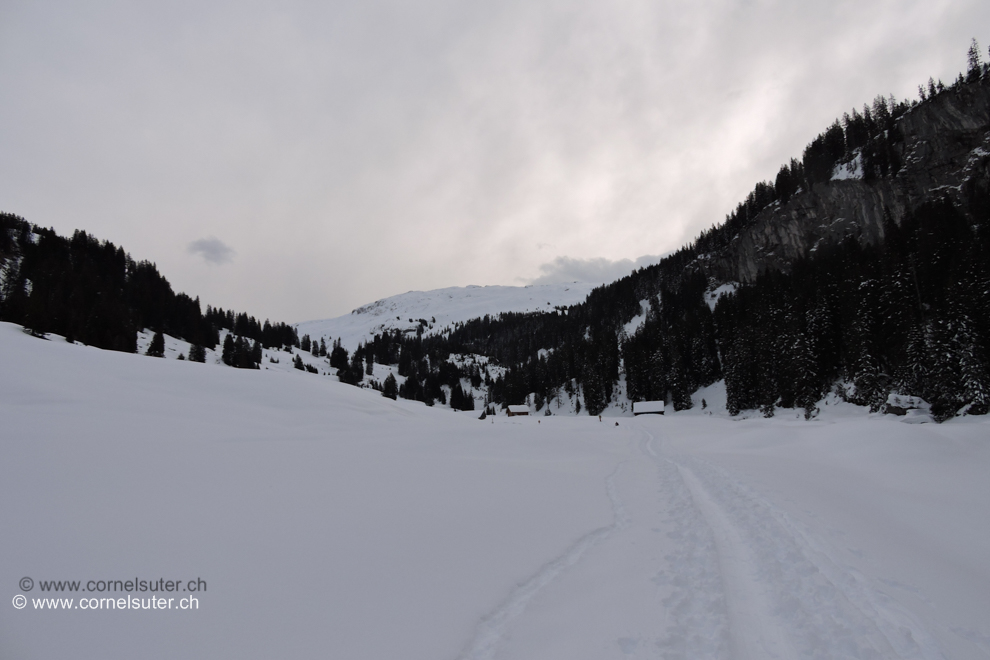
(641, 407)
(516, 410)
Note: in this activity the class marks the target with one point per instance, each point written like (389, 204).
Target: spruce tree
(157, 346)
(974, 62)
(389, 387)
(227, 356)
(197, 353)
(338, 357)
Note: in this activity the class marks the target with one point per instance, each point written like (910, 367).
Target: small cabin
(517, 411)
(647, 407)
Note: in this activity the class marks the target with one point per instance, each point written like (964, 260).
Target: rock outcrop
(945, 150)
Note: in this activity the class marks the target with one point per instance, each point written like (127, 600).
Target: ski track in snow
(693, 557)
(491, 630)
(749, 582)
(697, 620)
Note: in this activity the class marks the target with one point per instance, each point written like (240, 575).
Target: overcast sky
(295, 160)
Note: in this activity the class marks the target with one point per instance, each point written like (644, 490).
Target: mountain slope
(865, 267)
(440, 310)
(942, 145)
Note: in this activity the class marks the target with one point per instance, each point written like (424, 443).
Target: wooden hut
(647, 408)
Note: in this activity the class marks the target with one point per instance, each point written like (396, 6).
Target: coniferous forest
(908, 313)
(94, 292)
(895, 301)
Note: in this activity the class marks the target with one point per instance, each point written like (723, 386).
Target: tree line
(92, 291)
(907, 315)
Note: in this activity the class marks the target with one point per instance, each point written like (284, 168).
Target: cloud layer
(598, 270)
(357, 149)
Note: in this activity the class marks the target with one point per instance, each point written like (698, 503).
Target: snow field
(331, 522)
(442, 308)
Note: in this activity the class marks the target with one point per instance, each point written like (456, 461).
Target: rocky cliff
(943, 148)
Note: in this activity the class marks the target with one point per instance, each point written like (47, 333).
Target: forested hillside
(862, 267)
(94, 292)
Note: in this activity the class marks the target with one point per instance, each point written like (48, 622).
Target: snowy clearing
(712, 296)
(329, 522)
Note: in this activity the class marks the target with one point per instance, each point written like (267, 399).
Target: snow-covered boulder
(901, 404)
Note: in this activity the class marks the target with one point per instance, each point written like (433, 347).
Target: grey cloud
(213, 250)
(490, 136)
(568, 269)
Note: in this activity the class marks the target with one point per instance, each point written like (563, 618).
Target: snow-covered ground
(441, 309)
(329, 522)
(852, 169)
(712, 295)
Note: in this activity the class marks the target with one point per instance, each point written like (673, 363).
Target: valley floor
(325, 521)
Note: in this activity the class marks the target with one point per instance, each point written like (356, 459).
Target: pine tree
(974, 67)
(457, 397)
(356, 368)
(338, 357)
(197, 353)
(227, 356)
(242, 354)
(806, 377)
(389, 387)
(157, 346)
(872, 386)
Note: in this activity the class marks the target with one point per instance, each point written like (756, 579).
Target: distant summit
(434, 312)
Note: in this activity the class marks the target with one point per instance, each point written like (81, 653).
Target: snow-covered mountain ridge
(440, 309)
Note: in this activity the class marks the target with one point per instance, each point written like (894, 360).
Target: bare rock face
(945, 151)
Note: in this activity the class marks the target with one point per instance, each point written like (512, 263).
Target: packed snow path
(785, 596)
(329, 522)
(738, 578)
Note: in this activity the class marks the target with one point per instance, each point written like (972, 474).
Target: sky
(296, 160)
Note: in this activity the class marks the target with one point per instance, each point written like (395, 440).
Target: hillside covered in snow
(440, 310)
(289, 515)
